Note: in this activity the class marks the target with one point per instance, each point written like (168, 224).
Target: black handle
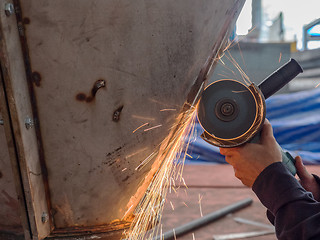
(279, 78)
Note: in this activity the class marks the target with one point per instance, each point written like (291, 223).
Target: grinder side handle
(279, 78)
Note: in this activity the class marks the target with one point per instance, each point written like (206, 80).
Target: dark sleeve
(317, 178)
(296, 213)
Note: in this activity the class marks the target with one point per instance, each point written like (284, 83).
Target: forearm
(297, 213)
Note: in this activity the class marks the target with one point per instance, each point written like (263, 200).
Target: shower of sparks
(244, 76)
(147, 221)
(139, 127)
(240, 51)
(148, 129)
(148, 213)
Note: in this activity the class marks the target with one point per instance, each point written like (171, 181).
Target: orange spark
(137, 152)
(280, 56)
(145, 161)
(140, 127)
(168, 109)
(148, 211)
(148, 129)
(128, 210)
(172, 206)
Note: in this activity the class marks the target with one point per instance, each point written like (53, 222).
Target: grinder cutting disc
(230, 113)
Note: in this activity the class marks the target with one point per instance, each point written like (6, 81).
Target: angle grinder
(232, 113)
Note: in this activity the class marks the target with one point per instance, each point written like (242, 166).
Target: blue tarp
(295, 119)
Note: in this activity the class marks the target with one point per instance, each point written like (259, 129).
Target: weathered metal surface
(97, 71)
(148, 54)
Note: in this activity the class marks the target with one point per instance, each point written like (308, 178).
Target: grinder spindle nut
(226, 109)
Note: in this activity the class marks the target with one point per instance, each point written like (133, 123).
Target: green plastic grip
(289, 162)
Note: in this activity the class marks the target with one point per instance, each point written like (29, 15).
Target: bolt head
(9, 9)
(29, 123)
(44, 217)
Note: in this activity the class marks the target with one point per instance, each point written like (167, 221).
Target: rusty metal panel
(100, 69)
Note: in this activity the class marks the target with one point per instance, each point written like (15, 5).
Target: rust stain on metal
(100, 83)
(116, 114)
(81, 97)
(36, 78)
(26, 20)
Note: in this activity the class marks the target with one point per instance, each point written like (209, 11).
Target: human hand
(251, 159)
(307, 181)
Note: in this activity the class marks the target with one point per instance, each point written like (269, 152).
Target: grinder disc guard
(230, 112)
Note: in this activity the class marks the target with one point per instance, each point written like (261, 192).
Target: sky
(296, 14)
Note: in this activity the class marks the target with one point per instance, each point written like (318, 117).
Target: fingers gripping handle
(287, 159)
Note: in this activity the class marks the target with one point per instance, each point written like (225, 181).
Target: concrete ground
(210, 188)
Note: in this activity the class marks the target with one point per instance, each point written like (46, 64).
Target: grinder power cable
(232, 113)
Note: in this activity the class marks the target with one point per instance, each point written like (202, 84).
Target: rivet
(29, 123)
(9, 9)
(44, 217)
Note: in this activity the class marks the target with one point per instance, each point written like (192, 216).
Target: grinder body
(232, 113)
